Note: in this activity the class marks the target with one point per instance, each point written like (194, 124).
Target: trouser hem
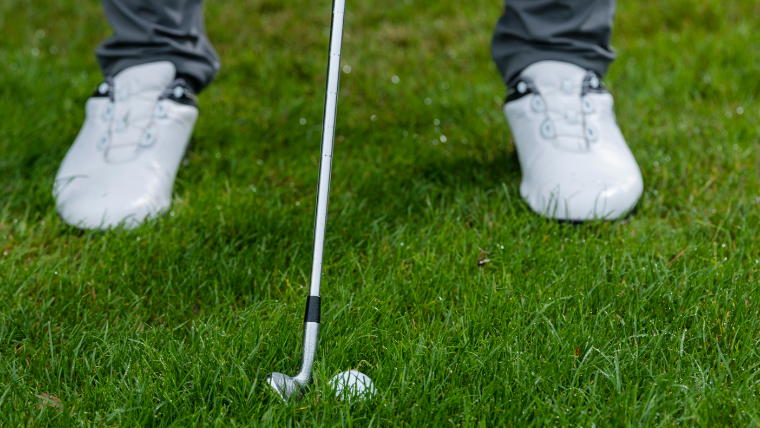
(511, 69)
(181, 63)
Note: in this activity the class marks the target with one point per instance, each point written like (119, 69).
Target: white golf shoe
(575, 162)
(122, 165)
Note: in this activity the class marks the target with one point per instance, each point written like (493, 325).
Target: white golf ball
(352, 384)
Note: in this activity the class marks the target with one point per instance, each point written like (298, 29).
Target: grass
(650, 322)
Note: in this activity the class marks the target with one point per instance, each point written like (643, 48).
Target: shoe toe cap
(581, 198)
(87, 204)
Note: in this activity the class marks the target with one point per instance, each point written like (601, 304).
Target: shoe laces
(143, 119)
(562, 120)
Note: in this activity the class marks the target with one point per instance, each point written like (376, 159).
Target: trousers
(574, 31)
(159, 30)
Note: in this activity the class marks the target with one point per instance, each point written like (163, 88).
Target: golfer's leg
(159, 30)
(575, 162)
(120, 170)
(573, 31)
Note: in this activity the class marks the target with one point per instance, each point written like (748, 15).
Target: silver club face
(285, 386)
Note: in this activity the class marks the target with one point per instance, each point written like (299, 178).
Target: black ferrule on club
(313, 308)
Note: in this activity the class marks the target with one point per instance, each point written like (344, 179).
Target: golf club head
(285, 386)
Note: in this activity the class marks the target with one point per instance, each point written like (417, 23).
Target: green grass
(176, 323)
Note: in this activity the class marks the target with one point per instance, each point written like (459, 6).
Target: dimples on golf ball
(352, 383)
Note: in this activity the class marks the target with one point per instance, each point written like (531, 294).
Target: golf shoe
(122, 165)
(576, 165)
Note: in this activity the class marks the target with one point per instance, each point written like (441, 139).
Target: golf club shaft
(328, 136)
(311, 320)
(284, 385)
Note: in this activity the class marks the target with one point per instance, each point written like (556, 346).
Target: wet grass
(650, 322)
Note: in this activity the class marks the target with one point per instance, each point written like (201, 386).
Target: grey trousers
(574, 31)
(159, 30)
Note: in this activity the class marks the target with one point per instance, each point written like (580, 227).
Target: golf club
(286, 386)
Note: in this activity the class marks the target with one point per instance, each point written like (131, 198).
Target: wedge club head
(294, 387)
(285, 386)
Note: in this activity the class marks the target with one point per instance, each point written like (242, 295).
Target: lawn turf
(648, 322)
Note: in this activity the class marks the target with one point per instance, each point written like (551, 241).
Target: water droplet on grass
(395, 79)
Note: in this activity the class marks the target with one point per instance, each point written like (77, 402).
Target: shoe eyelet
(103, 142)
(149, 138)
(161, 109)
(123, 93)
(594, 82)
(588, 106)
(567, 87)
(103, 88)
(121, 125)
(537, 104)
(571, 117)
(591, 134)
(107, 112)
(522, 87)
(547, 130)
(178, 92)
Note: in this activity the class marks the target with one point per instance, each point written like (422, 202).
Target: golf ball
(352, 384)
